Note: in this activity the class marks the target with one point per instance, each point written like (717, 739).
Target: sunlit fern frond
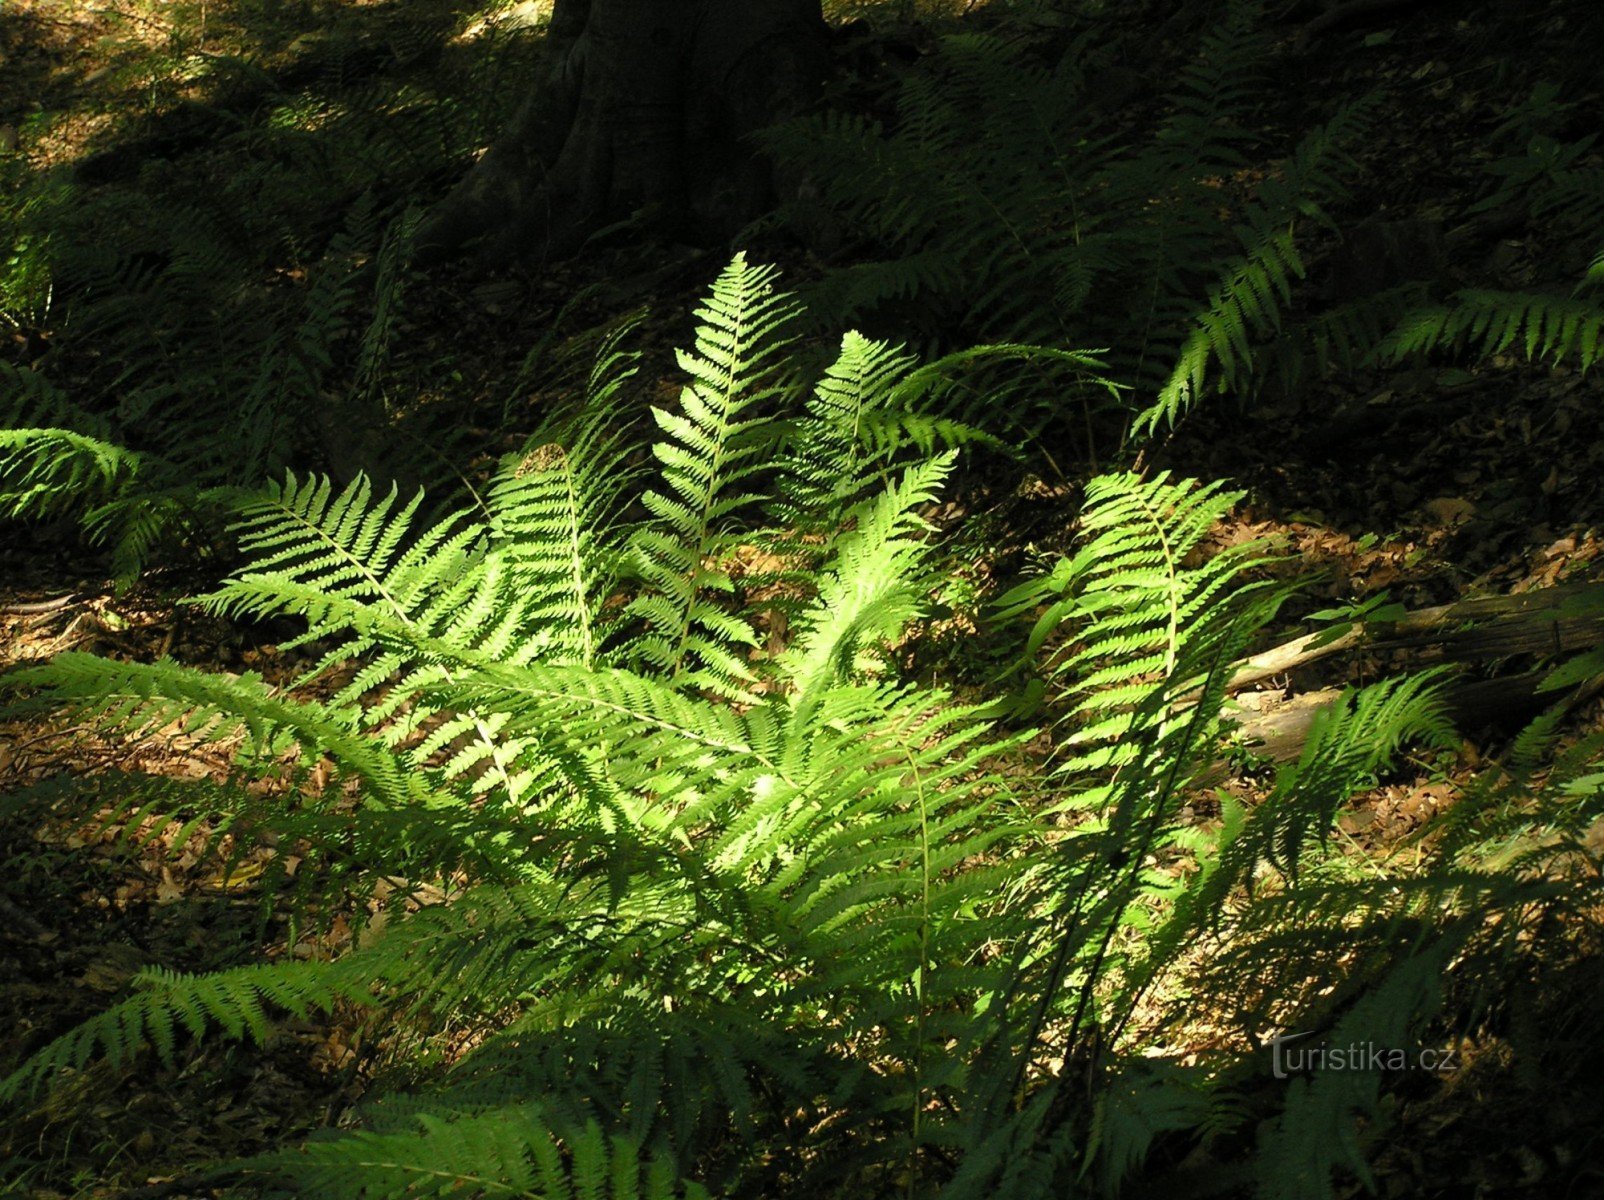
(712, 451)
(870, 588)
(44, 471)
(1144, 619)
(239, 711)
(554, 510)
(825, 472)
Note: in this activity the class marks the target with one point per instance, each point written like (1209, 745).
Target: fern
(47, 469)
(1317, 1132)
(778, 919)
(142, 697)
(1554, 329)
(715, 447)
(509, 1151)
(829, 465)
(1015, 213)
(872, 590)
(165, 1003)
(1145, 619)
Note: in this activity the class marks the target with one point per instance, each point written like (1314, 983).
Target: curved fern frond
(408, 601)
(43, 471)
(871, 589)
(826, 470)
(1246, 306)
(1145, 622)
(166, 1003)
(510, 1151)
(553, 509)
(1480, 323)
(142, 697)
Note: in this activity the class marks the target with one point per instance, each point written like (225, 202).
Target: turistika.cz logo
(1287, 1059)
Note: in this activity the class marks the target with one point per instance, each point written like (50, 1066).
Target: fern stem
(924, 966)
(576, 561)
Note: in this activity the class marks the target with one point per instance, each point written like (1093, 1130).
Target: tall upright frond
(713, 448)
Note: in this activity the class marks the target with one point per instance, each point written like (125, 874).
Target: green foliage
(762, 914)
(165, 1003)
(503, 1152)
(714, 446)
(220, 284)
(1316, 1132)
(1141, 612)
(1014, 205)
(1479, 324)
(213, 388)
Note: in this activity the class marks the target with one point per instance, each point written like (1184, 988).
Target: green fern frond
(43, 471)
(1145, 622)
(871, 589)
(410, 602)
(828, 468)
(1485, 323)
(378, 339)
(553, 510)
(1595, 272)
(1246, 306)
(511, 1151)
(134, 697)
(166, 1003)
(1209, 100)
(1347, 744)
(715, 446)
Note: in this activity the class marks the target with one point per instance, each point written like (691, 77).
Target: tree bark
(645, 108)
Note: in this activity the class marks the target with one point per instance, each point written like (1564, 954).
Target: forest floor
(1421, 486)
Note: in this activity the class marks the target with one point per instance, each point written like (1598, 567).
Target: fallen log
(1556, 620)
(1279, 732)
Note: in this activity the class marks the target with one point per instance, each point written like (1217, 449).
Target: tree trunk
(646, 108)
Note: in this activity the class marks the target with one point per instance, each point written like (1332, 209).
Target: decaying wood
(1280, 731)
(1550, 621)
(33, 608)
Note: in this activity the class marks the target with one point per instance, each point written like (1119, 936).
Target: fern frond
(44, 471)
(553, 508)
(166, 1003)
(411, 602)
(1245, 306)
(715, 446)
(1347, 744)
(1479, 323)
(1146, 623)
(871, 589)
(1209, 100)
(827, 469)
(142, 697)
(1318, 1129)
(510, 1151)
